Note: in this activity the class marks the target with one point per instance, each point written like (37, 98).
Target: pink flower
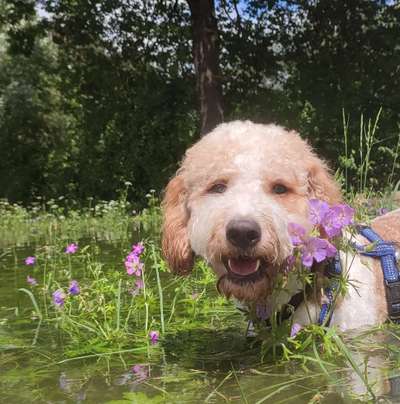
(31, 281)
(134, 268)
(71, 248)
(133, 265)
(30, 261)
(138, 248)
(154, 336)
(295, 329)
(132, 257)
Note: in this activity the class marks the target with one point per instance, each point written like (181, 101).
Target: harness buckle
(393, 299)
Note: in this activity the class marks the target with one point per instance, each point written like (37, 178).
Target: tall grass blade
(342, 347)
(119, 304)
(33, 300)
(240, 387)
(160, 291)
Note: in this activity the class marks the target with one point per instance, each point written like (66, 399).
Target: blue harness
(386, 252)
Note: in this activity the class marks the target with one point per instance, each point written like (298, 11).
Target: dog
(231, 201)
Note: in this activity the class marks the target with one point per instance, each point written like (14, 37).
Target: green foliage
(82, 114)
(111, 312)
(94, 96)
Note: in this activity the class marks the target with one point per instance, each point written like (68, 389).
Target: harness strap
(333, 270)
(386, 252)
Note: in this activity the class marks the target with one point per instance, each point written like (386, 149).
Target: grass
(110, 312)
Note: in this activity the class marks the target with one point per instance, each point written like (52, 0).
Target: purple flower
(74, 288)
(332, 219)
(59, 297)
(140, 372)
(137, 249)
(30, 260)
(132, 257)
(134, 268)
(295, 329)
(133, 265)
(318, 211)
(71, 248)
(337, 217)
(31, 281)
(345, 213)
(297, 233)
(154, 336)
(316, 249)
(311, 248)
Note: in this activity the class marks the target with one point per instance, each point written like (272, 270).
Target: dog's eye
(219, 188)
(279, 189)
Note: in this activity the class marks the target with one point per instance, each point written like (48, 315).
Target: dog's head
(231, 202)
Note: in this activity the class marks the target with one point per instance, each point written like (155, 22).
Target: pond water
(196, 365)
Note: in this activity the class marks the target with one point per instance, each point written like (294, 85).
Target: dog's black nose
(243, 233)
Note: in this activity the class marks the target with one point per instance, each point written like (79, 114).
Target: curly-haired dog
(231, 202)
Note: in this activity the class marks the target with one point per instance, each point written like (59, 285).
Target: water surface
(203, 364)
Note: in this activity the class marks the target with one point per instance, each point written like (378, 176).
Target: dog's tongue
(243, 266)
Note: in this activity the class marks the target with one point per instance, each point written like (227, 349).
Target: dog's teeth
(257, 266)
(229, 264)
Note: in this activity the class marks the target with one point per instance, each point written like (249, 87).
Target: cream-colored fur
(249, 160)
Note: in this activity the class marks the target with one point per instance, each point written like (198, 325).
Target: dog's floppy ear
(175, 241)
(321, 184)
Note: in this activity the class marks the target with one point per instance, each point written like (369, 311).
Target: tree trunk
(205, 53)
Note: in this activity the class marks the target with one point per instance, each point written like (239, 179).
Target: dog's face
(231, 202)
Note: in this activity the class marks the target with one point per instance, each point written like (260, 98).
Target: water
(200, 364)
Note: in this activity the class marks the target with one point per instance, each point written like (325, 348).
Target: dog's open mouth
(245, 269)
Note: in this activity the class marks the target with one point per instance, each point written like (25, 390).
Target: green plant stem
(119, 304)
(160, 292)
